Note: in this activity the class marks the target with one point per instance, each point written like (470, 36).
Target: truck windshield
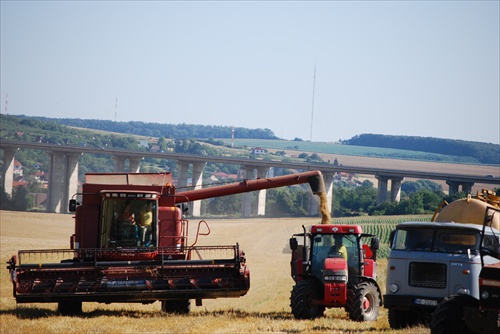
(128, 223)
(436, 240)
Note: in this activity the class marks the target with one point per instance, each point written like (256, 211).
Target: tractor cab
(328, 245)
(334, 251)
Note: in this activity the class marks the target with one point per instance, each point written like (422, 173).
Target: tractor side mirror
(293, 244)
(72, 205)
(374, 246)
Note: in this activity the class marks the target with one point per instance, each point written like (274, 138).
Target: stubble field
(264, 309)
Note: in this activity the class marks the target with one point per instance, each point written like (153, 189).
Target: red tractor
(333, 268)
(131, 245)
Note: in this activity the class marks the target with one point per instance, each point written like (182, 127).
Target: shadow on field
(243, 314)
(39, 313)
(29, 312)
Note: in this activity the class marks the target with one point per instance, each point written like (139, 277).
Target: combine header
(131, 245)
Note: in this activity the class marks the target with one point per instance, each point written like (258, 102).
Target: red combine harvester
(131, 245)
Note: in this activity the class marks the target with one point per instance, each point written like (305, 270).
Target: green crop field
(381, 227)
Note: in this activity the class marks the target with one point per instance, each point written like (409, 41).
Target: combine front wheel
(304, 300)
(182, 306)
(363, 302)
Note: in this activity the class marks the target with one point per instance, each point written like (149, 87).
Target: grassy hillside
(59, 131)
(332, 148)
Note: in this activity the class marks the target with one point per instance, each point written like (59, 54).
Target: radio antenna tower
(232, 137)
(6, 101)
(116, 107)
(312, 109)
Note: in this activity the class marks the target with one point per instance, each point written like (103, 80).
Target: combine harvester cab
(131, 245)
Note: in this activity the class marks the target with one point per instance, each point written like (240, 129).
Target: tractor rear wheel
(304, 300)
(363, 302)
(182, 306)
(69, 308)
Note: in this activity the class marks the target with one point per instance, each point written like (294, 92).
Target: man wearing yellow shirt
(338, 249)
(146, 223)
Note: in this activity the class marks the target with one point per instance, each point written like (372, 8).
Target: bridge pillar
(261, 194)
(182, 174)
(56, 180)
(396, 188)
(134, 165)
(70, 179)
(382, 188)
(395, 194)
(467, 187)
(8, 169)
(246, 198)
(119, 163)
(197, 183)
(453, 187)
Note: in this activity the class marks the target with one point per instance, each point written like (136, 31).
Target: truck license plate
(426, 302)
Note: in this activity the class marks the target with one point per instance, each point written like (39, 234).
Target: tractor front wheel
(363, 302)
(306, 299)
(182, 306)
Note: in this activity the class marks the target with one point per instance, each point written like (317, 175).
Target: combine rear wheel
(182, 306)
(363, 302)
(304, 300)
(69, 308)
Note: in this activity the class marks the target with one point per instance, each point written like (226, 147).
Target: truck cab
(430, 261)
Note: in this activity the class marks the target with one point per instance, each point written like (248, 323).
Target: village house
(258, 151)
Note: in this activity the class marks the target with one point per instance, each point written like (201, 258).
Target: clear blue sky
(417, 68)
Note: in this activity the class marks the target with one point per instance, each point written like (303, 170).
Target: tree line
(151, 129)
(486, 153)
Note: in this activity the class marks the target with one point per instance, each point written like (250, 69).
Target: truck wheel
(399, 319)
(69, 308)
(363, 302)
(304, 298)
(448, 316)
(182, 306)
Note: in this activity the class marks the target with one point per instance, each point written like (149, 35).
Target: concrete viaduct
(63, 173)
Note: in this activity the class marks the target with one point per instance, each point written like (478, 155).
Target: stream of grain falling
(323, 207)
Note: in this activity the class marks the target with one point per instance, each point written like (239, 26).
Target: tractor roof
(336, 229)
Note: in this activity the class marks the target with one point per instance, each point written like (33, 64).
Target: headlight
(394, 288)
(485, 294)
(463, 291)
